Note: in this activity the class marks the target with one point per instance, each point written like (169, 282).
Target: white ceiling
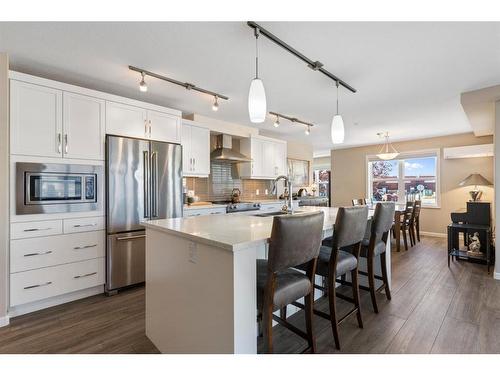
(409, 76)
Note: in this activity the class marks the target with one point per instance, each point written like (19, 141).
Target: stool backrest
(382, 221)
(295, 240)
(350, 226)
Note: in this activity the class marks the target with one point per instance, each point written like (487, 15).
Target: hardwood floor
(433, 310)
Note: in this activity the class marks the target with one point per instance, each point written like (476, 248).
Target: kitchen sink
(275, 213)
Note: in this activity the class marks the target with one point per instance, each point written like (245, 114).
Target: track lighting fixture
(143, 85)
(291, 119)
(215, 106)
(188, 86)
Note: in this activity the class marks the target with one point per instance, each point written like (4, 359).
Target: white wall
(496, 172)
(4, 186)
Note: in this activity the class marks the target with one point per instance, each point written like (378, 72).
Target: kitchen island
(201, 280)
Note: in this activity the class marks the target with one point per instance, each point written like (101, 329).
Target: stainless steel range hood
(224, 151)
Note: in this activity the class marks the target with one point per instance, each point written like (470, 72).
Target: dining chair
(406, 224)
(295, 240)
(340, 259)
(417, 205)
(374, 245)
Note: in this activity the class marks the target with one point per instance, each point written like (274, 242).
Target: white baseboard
(433, 234)
(496, 275)
(54, 301)
(4, 321)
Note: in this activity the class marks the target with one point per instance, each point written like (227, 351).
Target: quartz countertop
(231, 232)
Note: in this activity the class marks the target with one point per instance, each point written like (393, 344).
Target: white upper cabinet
(195, 150)
(83, 124)
(164, 127)
(126, 120)
(268, 158)
(36, 120)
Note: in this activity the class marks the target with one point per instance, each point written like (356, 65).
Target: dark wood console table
(454, 251)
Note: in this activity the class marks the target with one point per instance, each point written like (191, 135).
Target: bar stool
(374, 246)
(348, 232)
(295, 240)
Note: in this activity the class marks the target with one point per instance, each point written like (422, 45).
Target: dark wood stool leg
(384, 275)
(267, 320)
(371, 283)
(283, 313)
(417, 225)
(355, 294)
(309, 302)
(333, 309)
(404, 238)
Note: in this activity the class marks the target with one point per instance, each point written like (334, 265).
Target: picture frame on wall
(298, 171)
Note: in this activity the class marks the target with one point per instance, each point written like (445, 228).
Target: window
(412, 176)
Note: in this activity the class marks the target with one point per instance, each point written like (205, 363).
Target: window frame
(435, 152)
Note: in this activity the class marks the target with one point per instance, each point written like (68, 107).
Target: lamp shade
(475, 179)
(337, 129)
(257, 101)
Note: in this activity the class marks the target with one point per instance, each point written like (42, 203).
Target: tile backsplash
(224, 177)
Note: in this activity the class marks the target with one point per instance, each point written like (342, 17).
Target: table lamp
(475, 179)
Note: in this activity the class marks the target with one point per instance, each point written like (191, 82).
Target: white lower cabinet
(35, 229)
(34, 285)
(32, 253)
(83, 224)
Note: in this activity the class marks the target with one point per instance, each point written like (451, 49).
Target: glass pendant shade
(337, 129)
(257, 107)
(387, 152)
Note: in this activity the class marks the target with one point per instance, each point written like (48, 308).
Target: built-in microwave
(50, 188)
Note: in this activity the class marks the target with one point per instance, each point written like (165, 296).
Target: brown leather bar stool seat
(375, 245)
(295, 240)
(339, 260)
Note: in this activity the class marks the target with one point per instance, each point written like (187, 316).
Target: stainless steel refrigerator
(143, 181)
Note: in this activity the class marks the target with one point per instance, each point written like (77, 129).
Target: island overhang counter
(201, 292)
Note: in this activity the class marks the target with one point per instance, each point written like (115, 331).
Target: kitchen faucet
(288, 199)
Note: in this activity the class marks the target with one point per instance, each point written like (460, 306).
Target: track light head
(308, 130)
(277, 122)
(143, 85)
(215, 106)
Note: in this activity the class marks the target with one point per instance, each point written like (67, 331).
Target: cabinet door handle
(66, 143)
(35, 229)
(41, 253)
(59, 143)
(194, 164)
(130, 237)
(84, 225)
(145, 128)
(149, 128)
(84, 247)
(38, 285)
(86, 275)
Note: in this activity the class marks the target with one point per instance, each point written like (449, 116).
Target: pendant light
(387, 152)
(256, 95)
(337, 128)
(143, 85)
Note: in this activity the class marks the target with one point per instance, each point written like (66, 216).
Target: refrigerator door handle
(154, 182)
(146, 184)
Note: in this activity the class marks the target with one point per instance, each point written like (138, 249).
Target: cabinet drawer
(48, 282)
(32, 253)
(205, 211)
(35, 229)
(83, 224)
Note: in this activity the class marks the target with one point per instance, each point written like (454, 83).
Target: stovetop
(239, 207)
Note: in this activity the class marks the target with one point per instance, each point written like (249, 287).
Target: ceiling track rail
(314, 65)
(186, 85)
(290, 118)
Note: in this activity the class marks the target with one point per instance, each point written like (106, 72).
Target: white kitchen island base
(201, 292)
